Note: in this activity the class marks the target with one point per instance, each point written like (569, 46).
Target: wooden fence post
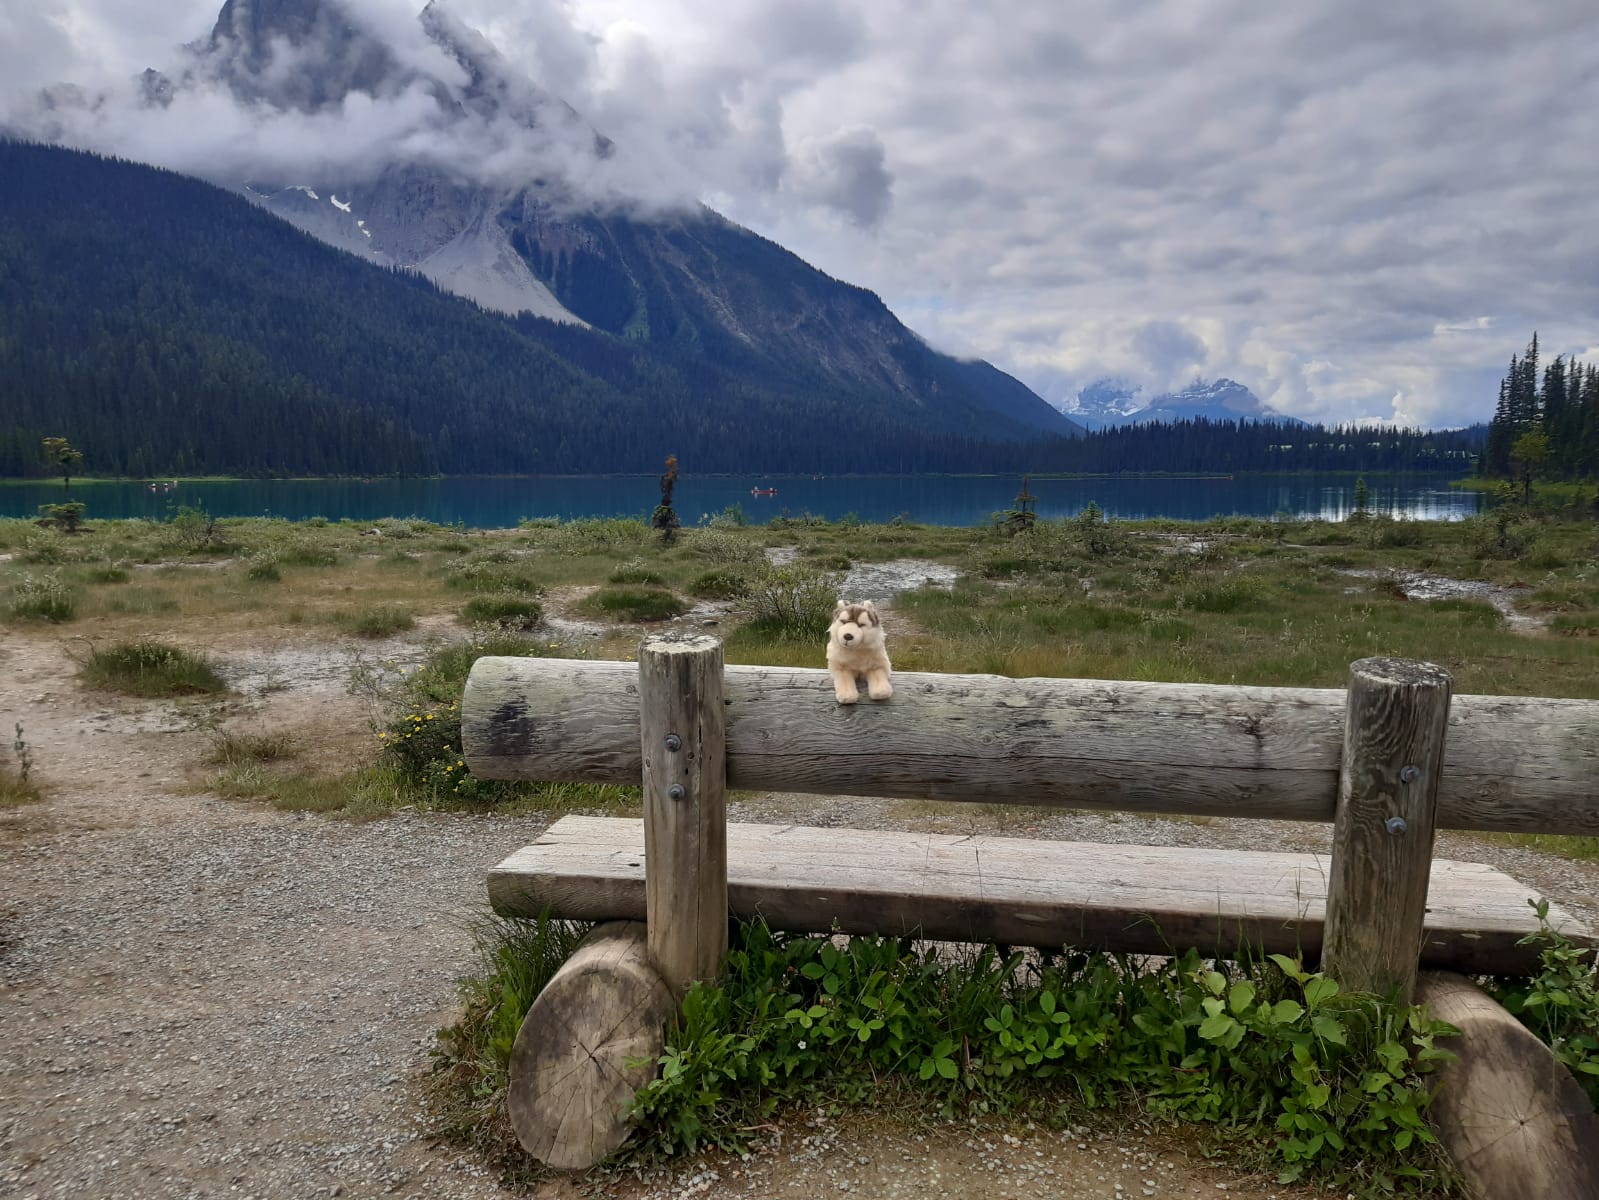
(683, 727)
(1395, 720)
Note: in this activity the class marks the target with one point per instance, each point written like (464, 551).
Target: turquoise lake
(927, 499)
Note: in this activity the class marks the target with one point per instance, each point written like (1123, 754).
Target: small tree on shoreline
(66, 458)
(665, 518)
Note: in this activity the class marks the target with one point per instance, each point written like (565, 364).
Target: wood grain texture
(684, 751)
(1510, 1114)
(1394, 728)
(571, 1082)
(1144, 899)
(1514, 764)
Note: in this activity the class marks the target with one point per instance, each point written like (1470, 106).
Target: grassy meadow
(160, 603)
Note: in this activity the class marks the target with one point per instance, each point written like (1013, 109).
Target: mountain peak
(332, 55)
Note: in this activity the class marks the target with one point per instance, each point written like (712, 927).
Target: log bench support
(1373, 759)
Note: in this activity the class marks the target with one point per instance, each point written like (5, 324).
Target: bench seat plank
(1138, 899)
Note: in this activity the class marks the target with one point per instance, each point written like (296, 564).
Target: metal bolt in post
(1396, 825)
(677, 791)
(1409, 774)
(673, 742)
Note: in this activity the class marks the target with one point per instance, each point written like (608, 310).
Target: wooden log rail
(1510, 764)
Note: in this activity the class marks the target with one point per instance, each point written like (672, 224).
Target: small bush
(1560, 1003)
(727, 549)
(1231, 593)
(374, 622)
(16, 783)
(508, 610)
(43, 548)
(1576, 624)
(721, 585)
(106, 573)
(194, 530)
(150, 669)
(42, 598)
(792, 603)
(263, 568)
(1286, 1068)
(627, 603)
(491, 574)
(637, 573)
(143, 600)
(305, 552)
(230, 749)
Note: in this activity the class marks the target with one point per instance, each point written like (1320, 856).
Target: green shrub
(515, 959)
(509, 610)
(43, 548)
(628, 603)
(1560, 1003)
(1576, 624)
(143, 600)
(106, 573)
(1284, 1066)
(194, 530)
(721, 584)
(1230, 593)
(491, 574)
(374, 622)
(307, 552)
(792, 603)
(150, 668)
(637, 573)
(263, 568)
(725, 548)
(42, 598)
(16, 777)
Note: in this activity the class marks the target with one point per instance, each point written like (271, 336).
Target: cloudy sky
(1359, 208)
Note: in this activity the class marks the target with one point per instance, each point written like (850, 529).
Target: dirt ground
(208, 998)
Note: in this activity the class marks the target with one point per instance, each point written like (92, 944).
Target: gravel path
(207, 999)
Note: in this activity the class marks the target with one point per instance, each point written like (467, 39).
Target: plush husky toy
(855, 647)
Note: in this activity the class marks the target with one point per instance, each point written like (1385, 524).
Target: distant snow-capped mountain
(1112, 402)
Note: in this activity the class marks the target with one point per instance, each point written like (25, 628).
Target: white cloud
(1356, 207)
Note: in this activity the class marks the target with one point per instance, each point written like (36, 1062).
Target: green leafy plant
(1561, 1002)
(16, 782)
(42, 598)
(626, 602)
(792, 603)
(150, 668)
(380, 622)
(506, 610)
(1322, 1084)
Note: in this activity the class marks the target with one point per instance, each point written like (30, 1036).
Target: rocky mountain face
(689, 283)
(1112, 402)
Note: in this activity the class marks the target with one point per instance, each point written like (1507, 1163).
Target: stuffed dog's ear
(840, 609)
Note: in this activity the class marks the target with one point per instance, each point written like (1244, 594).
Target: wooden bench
(1387, 761)
(944, 887)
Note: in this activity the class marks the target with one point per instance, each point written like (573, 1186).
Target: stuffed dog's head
(856, 625)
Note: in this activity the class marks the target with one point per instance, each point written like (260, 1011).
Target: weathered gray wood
(1142, 899)
(1395, 722)
(571, 1078)
(684, 751)
(1511, 1116)
(1511, 763)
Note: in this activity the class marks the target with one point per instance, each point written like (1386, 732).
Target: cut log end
(1514, 1120)
(571, 1079)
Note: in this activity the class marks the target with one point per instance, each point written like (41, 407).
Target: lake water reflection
(926, 499)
